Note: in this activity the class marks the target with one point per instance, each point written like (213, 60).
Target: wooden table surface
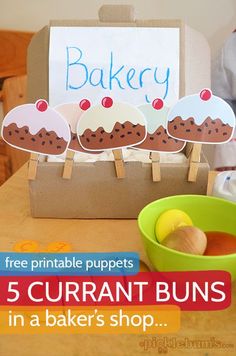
(93, 236)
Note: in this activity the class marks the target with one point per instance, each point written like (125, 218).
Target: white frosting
(155, 118)
(99, 116)
(194, 106)
(28, 115)
(129, 155)
(71, 112)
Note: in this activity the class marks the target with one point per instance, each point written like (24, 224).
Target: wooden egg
(187, 239)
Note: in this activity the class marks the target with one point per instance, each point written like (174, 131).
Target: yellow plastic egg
(187, 239)
(169, 221)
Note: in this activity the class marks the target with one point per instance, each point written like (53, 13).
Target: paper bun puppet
(72, 113)
(157, 137)
(111, 126)
(203, 118)
(36, 128)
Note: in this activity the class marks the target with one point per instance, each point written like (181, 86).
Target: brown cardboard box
(93, 190)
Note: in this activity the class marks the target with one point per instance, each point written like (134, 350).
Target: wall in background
(214, 18)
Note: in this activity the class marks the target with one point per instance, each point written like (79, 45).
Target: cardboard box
(93, 190)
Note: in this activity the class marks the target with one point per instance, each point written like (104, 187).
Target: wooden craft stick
(33, 164)
(119, 163)
(68, 166)
(156, 169)
(194, 161)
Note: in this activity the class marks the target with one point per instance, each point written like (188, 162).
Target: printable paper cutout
(111, 125)
(36, 128)
(157, 137)
(122, 61)
(72, 113)
(203, 118)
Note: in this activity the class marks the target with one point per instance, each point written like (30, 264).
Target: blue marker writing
(166, 81)
(112, 76)
(75, 64)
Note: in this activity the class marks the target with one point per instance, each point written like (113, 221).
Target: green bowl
(207, 213)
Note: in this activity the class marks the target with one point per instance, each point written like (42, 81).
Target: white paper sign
(133, 64)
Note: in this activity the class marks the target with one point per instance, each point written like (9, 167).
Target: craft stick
(156, 169)
(194, 161)
(68, 166)
(211, 180)
(119, 163)
(33, 164)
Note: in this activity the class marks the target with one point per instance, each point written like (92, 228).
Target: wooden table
(92, 236)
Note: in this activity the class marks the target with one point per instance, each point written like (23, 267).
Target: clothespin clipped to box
(119, 14)
(194, 161)
(157, 139)
(156, 169)
(72, 112)
(211, 180)
(33, 164)
(119, 163)
(68, 166)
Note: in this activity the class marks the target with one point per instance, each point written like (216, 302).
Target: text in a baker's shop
(122, 62)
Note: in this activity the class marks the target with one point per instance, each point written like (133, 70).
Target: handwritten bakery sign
(131, 64)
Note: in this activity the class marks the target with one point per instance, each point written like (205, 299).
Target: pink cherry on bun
(41, 105)
(157, 104)
(205, 94)
(107, 102)
(84, 104)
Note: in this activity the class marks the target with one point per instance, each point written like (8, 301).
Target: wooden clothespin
(119, 163)
(194, 161)
(33, 164)
(156, 168)
(211, 180)
(68, 166)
